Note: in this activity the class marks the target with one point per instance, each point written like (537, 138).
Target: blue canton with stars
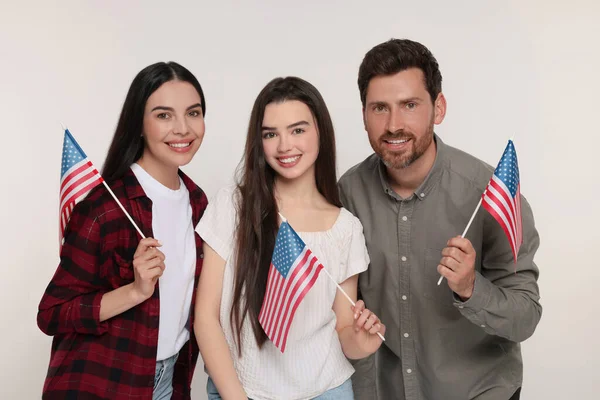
(72, 153)
(508, 169)
(288, 247)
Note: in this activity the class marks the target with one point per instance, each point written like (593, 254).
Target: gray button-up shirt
(438, 347)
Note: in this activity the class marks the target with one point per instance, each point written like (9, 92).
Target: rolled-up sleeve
(71, 302)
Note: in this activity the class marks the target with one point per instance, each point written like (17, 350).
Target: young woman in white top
(289, 169)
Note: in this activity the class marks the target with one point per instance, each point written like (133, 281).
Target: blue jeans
(163, 378)
(342, 392)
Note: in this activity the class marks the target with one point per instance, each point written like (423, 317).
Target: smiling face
(399, 117)
(290, 139)
(173, 126)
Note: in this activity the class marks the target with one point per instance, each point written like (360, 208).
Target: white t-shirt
(172, 226)
(313, 361)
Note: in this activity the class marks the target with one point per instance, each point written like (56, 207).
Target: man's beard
(404, 158)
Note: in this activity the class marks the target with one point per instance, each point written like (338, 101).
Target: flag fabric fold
(293, 272)
(502, 198)
(77, 177)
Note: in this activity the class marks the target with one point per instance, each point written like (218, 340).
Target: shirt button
(422, 195)
(409, 371)
(482, 325)
(404, 218)
(403, 258)
(201, 255)
(404, 297)
(461, 306)
(406, 335)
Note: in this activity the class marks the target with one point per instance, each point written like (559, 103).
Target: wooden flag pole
(122, 208)
(466, 229)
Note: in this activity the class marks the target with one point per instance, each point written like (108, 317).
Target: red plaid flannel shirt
(114, 359)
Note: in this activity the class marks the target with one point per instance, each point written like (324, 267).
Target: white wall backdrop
(528, 69)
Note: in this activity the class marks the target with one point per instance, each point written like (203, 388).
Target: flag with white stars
(77, 177)
(294, 270)
(502, 198)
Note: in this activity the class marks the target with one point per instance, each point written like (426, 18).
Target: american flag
(77, 177)
(294, 270)
(502, 198)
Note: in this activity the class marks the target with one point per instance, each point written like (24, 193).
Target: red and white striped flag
(77, 177)
(293, 272)
(502, 198)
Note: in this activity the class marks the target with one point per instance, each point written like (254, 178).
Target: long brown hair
(257, 222)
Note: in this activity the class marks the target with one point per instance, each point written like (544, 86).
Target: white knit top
(313, 361)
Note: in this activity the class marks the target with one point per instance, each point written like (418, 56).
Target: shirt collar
(135, 190)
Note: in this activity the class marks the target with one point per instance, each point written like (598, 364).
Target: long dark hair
(257, 208)
(127, 144)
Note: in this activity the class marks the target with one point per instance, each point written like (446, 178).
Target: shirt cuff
(479, 299)
(88, 320)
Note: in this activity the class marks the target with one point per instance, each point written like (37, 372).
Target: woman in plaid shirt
(113, 337)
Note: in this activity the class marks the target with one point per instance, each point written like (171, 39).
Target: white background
(528, 69)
